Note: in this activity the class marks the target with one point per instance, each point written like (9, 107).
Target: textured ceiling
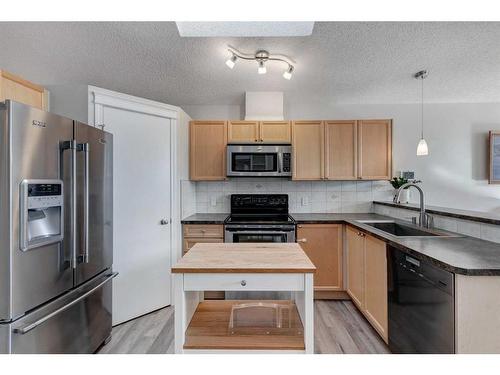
(339, 62)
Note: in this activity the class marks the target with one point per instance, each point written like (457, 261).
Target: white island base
(202, 326)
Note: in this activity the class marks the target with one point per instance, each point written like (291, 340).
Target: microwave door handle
(280, 162)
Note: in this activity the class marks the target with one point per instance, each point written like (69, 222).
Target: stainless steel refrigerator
(56, 233)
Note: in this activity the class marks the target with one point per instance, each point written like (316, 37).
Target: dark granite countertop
(482, 217)
(461, 255)
(205, 219)
(331, 218)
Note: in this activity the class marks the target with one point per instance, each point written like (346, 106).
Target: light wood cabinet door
(375, 149)
(276, 131)
(323, 245)
(190, 242)
(308, 150)
(341, 150)
(207, 150)
(376, 285)
(243, 131)
(355, 255)
(20, 90)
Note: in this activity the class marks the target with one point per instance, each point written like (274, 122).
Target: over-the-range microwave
(247, 160)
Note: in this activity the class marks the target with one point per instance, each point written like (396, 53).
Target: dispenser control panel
(44, 195)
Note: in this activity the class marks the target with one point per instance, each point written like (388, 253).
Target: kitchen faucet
(424, 219)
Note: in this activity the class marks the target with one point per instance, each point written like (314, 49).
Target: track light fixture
(261, 57)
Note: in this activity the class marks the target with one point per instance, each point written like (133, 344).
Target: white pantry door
(142, 183)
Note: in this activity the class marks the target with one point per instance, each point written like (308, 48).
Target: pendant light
(422, 148)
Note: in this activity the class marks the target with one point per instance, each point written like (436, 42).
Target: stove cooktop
(259, 219)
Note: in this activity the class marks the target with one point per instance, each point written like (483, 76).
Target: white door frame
(99, 99)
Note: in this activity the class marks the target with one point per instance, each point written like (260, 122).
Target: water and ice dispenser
(42, 213)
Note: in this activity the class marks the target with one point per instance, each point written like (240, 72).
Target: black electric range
(259, 218)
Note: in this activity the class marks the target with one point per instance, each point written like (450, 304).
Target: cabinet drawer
(203, 230)
(243, 281)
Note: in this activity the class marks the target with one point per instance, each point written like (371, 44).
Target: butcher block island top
(245, 258)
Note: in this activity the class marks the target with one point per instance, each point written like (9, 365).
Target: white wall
(187, 188)
(455, 172)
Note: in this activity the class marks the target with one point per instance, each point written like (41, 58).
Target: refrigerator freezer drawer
(77, 323)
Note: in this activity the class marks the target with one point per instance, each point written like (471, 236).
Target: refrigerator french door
(55, 233)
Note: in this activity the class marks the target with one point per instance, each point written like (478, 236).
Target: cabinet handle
(303, 240)
(299, 226)
(243, 283)
(256, 140)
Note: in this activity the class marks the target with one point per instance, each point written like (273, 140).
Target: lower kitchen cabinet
(203, 233)
(355, 255)
(367, 277)
(323, 245)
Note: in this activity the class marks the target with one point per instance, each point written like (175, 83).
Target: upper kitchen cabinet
(207, 150)
(308, 150)
(340, 150)
(375, 149)
(20, 90)
(243, 132)
(276, 132)
(259, 132)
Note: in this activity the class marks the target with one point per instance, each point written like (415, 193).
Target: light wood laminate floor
(338, 328)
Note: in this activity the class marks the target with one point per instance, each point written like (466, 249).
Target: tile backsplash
(304, 196)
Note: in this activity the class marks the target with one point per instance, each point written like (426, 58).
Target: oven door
(240, 234)
(250, 160)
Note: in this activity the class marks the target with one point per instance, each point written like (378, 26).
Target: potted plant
(396, 183)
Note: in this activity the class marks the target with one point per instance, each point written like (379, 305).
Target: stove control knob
(243, 283)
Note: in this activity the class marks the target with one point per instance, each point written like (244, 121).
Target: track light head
(287, 74)
(231, 62)
(262, 68)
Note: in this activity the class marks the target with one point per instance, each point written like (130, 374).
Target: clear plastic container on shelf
(267, 318)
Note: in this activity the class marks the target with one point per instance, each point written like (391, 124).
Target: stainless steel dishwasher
(421, 306)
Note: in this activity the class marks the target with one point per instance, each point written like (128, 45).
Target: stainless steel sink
(399, 229)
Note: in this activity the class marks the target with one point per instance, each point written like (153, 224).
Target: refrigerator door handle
(85, 147)
(32, 326)
(71, 145)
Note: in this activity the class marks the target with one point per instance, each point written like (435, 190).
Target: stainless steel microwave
(259, 160)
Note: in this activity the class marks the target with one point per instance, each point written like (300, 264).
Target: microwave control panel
(287, 160)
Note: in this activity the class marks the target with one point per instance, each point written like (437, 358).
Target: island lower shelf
(210, 329)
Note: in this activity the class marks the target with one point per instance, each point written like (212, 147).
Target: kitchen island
(212, 326)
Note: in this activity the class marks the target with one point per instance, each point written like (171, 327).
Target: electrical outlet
(305, 201)
(213, 201)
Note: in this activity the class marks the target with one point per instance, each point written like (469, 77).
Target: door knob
(164, 221)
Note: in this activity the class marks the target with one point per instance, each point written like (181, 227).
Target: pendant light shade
(422, 148)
